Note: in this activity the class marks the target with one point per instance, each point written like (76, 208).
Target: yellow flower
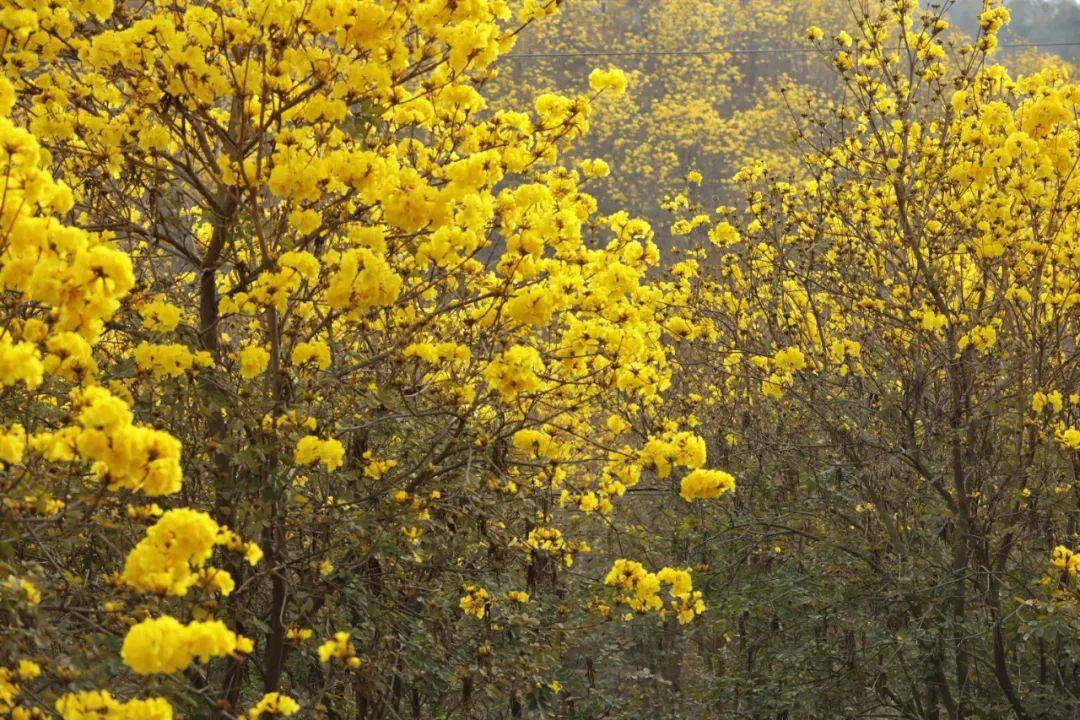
(612, 79)
(98, 705)
(1065, 560)
(1069, 438)
(305, 221)
(362, 280)
(254, 360)
(1053, 398)
(595, 168)
(316, 351)
(515, 371)
(19, 362)
(12, 444)
(310, 449)
(299, 634)
(159, 315)
(789, 360)
(337, 647)
(274, 704)
(175, 549)
(252, 553)
(165, 645)
(706, 484)
(28, 670)
(475, 601)
(130, 456)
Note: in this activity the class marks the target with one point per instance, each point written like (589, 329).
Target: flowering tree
(893, 348)
(714, 84)
(328, 392)
(320, 375)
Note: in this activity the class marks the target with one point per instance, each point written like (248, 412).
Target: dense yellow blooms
(79, 276)
(172, 557)
(706, 484)
(169, 360)
(612, 79)
(11, 683)
(20, 362)
(890, 325)
(311, 449)
(1065, 560)
(160, 316)
(682, 449)
(165, 645)
(100, 705)
(515, 372)
(318, 198)
(275, 705)
(12, 443)
(361, 280)
(316, 351)
(253, 361)
(125, 454)
(641, 590)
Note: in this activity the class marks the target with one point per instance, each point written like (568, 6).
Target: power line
(654, 53)
(720, 51)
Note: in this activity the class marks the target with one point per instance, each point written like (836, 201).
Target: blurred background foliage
(718, 83)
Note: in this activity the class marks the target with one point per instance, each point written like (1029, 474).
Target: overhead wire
(724, 51)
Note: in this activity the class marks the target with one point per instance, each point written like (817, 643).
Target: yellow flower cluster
(12, 444)
(1049, 407)
(171, 360)
(20, 362)
(640, 589)
(274, 288)
(1068, 437)
(515, 372)
(126, 455)
(341, 648)
(11, 680)
(172, 557)
(275, 705)
(254, 360)
(315, 351)
(299, 634)
(550, 541)
(100, 705)
(159, 315)
(784, 363)
(79, 276)
(1053, 399)
(1065, 560)
(375, 468)
(311, 449)
(537, 443)
(612, 79)
(165, 645)
(704, 484)
(475, 601)
(682, 449)
(69, 355)
(361, 280)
